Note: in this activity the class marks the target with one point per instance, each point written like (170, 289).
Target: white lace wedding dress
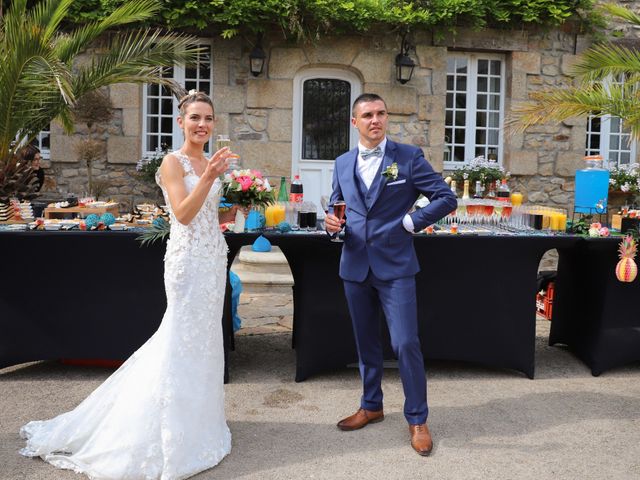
(161, 414)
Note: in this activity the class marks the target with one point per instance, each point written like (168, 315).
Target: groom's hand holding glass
(334, 221)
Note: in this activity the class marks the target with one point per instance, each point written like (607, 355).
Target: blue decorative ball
(159, 222)
(283, 227)
(91, 221)
(108, 219)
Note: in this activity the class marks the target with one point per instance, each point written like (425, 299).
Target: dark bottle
(503, 192)
(296, 196)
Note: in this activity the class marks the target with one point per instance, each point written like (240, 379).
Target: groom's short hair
(366, 97)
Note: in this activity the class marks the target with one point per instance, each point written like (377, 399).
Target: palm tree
(40, 77)
(595, 93)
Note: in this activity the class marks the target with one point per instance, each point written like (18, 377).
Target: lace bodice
(202, 237)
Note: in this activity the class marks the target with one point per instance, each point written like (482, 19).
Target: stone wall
(258, 112)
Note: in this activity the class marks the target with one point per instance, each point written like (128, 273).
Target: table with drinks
(476, 298)
(476, 288)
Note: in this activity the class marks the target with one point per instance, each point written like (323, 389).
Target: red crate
(544, 301)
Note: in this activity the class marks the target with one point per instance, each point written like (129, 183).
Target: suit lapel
(350, 174)
(379, 182)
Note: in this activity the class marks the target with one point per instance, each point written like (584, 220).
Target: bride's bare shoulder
(172, 166)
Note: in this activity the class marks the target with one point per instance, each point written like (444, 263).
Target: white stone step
(263, 271)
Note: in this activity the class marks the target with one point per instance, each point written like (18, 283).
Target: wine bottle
(465, 192)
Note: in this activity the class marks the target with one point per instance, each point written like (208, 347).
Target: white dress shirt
(368, 169)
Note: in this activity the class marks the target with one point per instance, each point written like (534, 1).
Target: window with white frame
(607, 136)
(474, 108)
(42, 141)
(160, 107)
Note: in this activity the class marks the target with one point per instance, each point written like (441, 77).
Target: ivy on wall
(312, 18)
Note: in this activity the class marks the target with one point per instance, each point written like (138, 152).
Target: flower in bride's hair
(193, 91)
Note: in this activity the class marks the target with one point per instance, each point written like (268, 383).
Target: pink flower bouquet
(247, 188)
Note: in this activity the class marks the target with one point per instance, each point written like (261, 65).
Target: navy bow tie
(373, 152)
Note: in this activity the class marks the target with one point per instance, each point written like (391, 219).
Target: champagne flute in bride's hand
(338, 210)
(224, 141)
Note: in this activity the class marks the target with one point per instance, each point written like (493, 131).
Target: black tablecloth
(476, 299)
(80, 295)
(593, 313)
(99, 295)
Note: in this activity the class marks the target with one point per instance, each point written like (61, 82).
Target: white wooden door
(315, 171)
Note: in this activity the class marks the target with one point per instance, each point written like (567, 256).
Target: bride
(161, 414)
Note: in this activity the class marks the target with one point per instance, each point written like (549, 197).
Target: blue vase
(255, 220)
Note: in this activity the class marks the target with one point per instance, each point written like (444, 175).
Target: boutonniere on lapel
(391, 172)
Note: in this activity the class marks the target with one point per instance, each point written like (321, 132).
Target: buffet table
(476, 299)
(77, 295)
(81, 295)
(594, 314)
(99, 295)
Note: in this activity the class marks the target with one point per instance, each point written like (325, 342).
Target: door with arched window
(321, 126)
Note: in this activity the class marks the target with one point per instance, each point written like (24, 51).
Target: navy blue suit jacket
(375, 237)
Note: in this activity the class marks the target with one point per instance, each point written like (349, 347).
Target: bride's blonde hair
(192, 97)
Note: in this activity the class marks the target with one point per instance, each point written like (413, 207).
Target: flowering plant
(391, 172)
(487, 171)
(247, 187)
(625, 178)
(147, 166)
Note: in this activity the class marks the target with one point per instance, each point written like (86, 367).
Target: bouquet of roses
(247, 188)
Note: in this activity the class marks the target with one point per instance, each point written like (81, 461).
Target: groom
(380, 181)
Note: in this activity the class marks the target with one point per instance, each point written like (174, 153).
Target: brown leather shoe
(421, 439)
(360, 419)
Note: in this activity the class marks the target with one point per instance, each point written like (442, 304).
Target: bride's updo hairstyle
(192, 97)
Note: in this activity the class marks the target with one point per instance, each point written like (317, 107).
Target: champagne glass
(224, 141)
(338, 210)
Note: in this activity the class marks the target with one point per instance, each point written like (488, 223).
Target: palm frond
(39, 81)
(137, 57)
(158, 231)
(610, 79)
(68, 47)
(48, 15)
(622, 12)
(558, 105)
(602, 61)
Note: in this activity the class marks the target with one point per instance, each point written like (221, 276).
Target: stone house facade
(435, 110)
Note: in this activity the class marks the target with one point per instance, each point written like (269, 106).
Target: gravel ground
(487, 423)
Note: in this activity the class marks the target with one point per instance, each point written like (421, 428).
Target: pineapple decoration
(626, 269)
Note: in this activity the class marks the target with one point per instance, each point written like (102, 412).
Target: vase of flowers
(486, 171)
(624, 183)
(247, 188)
